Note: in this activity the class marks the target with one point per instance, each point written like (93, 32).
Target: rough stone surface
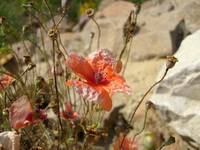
(9, 140)
(177, 97)
(191, 12)
(155, 43)
(111, 20)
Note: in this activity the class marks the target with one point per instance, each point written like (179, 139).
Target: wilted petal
(20, 113)
(80, 66)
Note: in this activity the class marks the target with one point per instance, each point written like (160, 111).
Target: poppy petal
(20, 113)
(93, 93)
(80, 66)
(117, 84)
(106, 101)
(101, 59)
(84, 90)
(68, 113)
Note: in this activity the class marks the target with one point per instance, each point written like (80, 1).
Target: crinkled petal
(101, 59)
(93, 93)
(117, 84)
(21, 113)
(80, 66)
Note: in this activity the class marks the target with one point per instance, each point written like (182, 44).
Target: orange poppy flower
(127, 144)
(22, 115)
(69, 113)
(100, 79)
(5, 81)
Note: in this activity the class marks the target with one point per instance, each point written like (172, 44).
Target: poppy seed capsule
(90, 12)
(171, 61)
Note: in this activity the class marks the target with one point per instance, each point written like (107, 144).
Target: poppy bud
(118, 66)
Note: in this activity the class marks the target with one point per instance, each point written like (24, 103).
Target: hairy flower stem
(123, 50)
(142, 99)
(99, 32)
(50, 12)
(127, 59)
(60, 128)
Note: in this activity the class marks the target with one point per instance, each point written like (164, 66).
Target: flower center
(100, 78)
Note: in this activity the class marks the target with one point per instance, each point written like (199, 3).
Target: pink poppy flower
(68, 113)
(22, 115)
(100, 78)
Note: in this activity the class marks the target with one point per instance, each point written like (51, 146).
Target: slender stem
(57, 95)
(142, 99)
(161, 147)
(127, 59)
(144, 124)
(62, 45)
(123, 50)
(99, 32)
(50, 12)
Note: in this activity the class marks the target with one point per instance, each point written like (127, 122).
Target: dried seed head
(171, 61)
(171, 140)
(27, 60)
(90, 12)
(53, 33)
(149, 105)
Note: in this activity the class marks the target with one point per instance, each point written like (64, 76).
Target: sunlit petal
(80, 66)
(117, 84)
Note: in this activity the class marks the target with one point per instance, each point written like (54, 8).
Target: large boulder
(177, 98)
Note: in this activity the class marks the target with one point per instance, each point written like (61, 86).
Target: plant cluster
(65, 109)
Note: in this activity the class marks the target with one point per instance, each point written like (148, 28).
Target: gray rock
(9, 140)
(177, 98)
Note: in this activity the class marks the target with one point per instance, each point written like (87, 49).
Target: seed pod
(171, 61)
